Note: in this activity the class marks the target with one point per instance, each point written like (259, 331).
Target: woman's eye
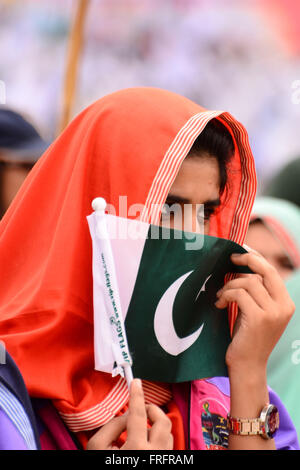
(165, 210)
(170, 209)
(286, 264)
(208, 212)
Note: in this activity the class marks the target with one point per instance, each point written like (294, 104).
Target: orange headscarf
(131, 143)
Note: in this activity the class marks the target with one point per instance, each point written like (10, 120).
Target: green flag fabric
(167, 285)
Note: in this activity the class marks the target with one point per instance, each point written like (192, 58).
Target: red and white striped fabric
(113, 403)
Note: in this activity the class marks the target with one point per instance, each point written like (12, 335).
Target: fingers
(251, 284)
(136, 422)
(137, 415)
(265, 287)
(265, 308)
(263, 292)
(251, 250)
(241, 297)
(259, 265)
(106, 435)
(160, 435)
(139, 436)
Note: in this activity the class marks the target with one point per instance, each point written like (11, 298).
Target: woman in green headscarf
(285, 183)
(274, 231)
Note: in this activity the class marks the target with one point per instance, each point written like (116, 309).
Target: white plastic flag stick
(111, 294)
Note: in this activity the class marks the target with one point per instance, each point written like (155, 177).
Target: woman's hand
(139, 436)
(265, 310)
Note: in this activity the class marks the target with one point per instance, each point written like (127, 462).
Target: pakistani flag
(154, 295)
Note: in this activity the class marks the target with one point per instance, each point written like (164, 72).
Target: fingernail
(138, 382)
(235, 255)
(218, 294)
(247, 247)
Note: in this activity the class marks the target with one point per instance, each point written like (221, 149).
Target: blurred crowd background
(242, 56)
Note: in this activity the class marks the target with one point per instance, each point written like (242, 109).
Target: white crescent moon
(163, 321)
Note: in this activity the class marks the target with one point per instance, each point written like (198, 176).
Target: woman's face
(262, 240)
(197, 183)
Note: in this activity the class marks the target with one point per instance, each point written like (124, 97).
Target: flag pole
(74, 50)
(112, 298)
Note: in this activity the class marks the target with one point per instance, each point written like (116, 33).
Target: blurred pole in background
(74, 50)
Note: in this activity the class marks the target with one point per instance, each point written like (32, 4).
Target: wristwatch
(265, 426)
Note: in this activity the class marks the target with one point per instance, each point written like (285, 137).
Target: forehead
(197, 180)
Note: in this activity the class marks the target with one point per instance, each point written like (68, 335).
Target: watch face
(272, 421)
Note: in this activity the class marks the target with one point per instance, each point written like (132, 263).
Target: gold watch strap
(243, 426)
(265, 426)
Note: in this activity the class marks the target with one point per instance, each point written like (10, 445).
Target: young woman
(133, 143)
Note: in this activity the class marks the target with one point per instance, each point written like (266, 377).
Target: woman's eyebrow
(173, 199)
(212, 203)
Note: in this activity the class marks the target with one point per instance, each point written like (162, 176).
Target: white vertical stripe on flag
(110, 342)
